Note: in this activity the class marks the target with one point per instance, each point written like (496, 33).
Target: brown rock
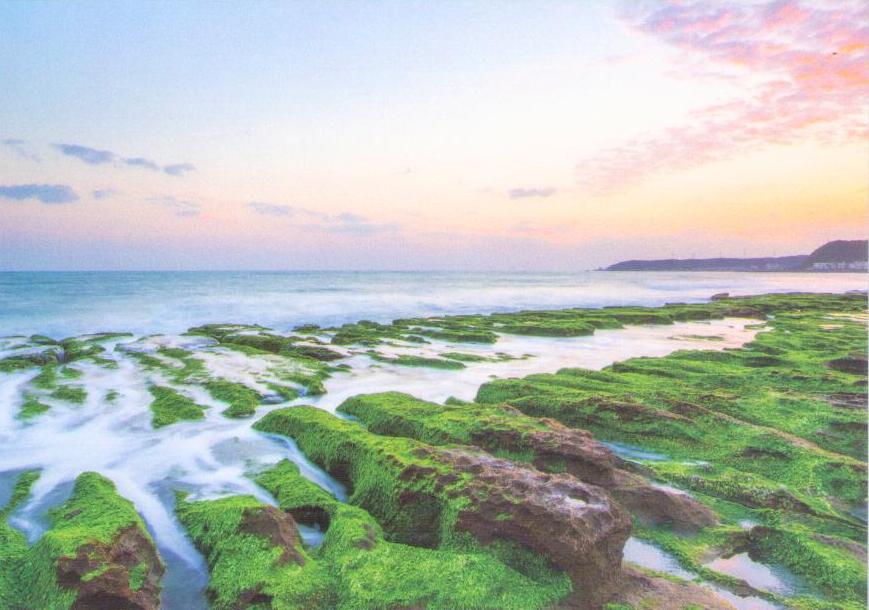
(642, 590)
(847, 400)
(660, 506)
(276, 526)
(593, 462)
(576, 526)
(855, 364)
(111, 589)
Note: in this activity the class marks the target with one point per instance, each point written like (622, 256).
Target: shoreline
(660, 404)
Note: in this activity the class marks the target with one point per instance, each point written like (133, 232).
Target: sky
(428, 135)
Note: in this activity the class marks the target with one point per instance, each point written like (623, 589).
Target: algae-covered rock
(256, 560)
(427, 496)
(96, 554)
(545, 443)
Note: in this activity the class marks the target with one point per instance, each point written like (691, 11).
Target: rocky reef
(522, 498)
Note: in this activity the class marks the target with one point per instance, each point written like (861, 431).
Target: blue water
(62, 304)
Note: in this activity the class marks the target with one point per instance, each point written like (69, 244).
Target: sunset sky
(428, 135)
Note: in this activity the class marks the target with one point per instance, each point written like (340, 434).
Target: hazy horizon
(419, 136)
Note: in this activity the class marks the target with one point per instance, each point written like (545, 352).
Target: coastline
(691, 504)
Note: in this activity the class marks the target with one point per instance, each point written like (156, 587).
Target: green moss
(169, 407)
(245, 565)
(286, 392)
(242, 400)
(20, 492)
(137, 576)
(496, 429)
(256, 338)
(46, 379)
(70, 393)
(462, 357)
(460, 335)
(312, 382)
(70, 373)
(834, 571)
(368, 571)
(769, 408)
(410, 360)
(13, 365)
(32, 407)
(94, 514)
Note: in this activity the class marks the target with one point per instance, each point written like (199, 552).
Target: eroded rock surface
(575, 525)
(128, 573)
(414, 489)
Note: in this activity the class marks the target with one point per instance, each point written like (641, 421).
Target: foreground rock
(97, 554)
(547, 444)
(429, 496)
(256, 560)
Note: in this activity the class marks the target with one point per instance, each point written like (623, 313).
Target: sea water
(73, 303)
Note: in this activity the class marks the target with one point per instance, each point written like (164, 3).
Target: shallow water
(774, 579)
(634, 453)
(649, 556)
(532, 355)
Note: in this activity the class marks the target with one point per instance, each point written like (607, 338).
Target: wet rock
(276, 526)
(855, 364)
(847, 400)
(553, 446)
(123, 575)
(660, 506)
(576, 526)
(641, 590)
(721, 296)
(583, 457)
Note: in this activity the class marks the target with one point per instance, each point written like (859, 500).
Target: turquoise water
(61, 304)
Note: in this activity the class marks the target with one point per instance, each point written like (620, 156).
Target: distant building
(840, 266)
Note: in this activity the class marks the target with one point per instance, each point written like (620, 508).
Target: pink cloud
(811, 61)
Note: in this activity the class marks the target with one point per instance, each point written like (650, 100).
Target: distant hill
(833, 256)
(839, 255)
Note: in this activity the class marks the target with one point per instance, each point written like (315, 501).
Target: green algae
(243, 337)
(753, 432)
(94, 514)
(70, 393)
(398, 414)
(355, 567)
(247, 566)
(170, 406)
(686, 403)
(242, 400)
(32, 407)
(768, 432)
(13, 364)
(412, 360)
(20, 492)
(373, 465)
(182, 367)
(46, 379)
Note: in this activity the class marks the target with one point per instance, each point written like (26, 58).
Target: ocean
(62, 304)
